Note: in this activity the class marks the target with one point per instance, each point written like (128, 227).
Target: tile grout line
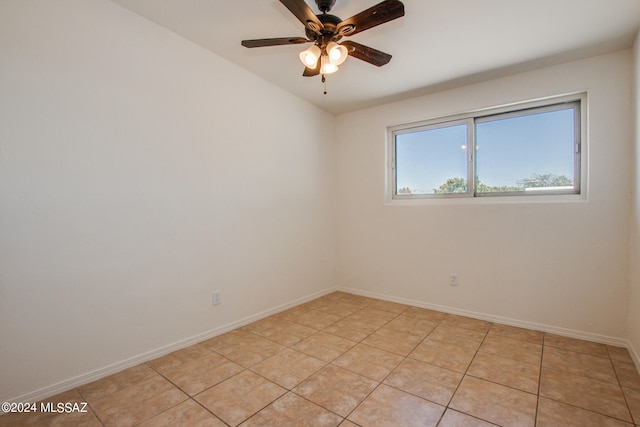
(77, 390)
(318, 404)
(624, 396)
(189, 397)
(90, 407)
(465, 374)
(209, 411)
(544, 336)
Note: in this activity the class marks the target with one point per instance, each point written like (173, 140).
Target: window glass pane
(526, 153)
(432, 161)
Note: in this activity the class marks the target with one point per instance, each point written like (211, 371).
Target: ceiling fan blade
(383, 12)
(310, 72)
(366, 53)
(274, 42)
(304, 13)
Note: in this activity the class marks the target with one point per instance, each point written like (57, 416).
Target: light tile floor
(353, 361)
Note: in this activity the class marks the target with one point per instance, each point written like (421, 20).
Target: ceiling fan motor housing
(329, 32)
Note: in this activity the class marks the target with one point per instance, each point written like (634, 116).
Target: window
(529, 150)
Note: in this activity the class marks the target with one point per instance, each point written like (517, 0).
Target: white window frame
(579, 192)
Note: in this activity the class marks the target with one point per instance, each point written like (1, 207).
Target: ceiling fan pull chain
(324, 81)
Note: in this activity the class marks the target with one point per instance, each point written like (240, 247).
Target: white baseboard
(634, 355)
(603, 339)
(88, 377)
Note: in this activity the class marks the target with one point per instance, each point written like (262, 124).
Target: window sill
(489, 200)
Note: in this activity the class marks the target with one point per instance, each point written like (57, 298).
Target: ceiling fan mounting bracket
(325, 5)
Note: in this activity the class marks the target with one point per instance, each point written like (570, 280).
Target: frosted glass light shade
(309, 57)
(337, 53)
(326, 67)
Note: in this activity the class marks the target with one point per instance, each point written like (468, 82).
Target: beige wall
(634, 260)
(139, 173)
(560, 265)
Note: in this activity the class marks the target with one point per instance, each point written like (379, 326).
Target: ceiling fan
(325, 31)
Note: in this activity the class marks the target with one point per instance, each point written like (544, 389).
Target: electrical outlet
(453, 279)
(216, 297)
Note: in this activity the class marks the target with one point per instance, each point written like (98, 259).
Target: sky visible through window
(426, 159)
(509, 150)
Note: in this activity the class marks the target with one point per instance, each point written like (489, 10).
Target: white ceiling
(437, 44)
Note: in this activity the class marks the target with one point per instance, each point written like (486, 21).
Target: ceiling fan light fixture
(309, 57)
(326, 66)
(337, 53)
(324, 31)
